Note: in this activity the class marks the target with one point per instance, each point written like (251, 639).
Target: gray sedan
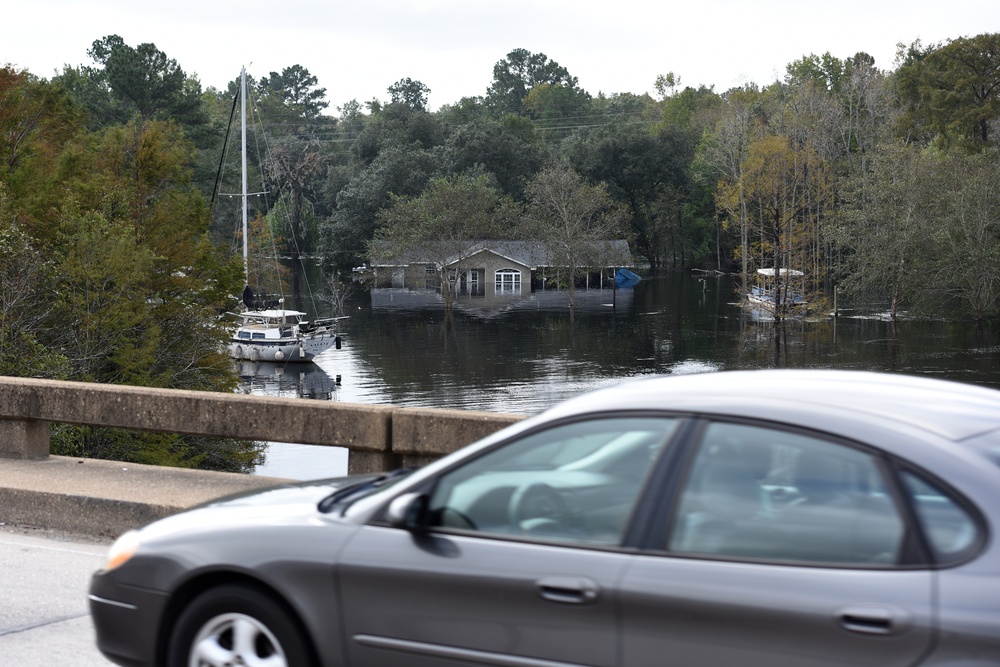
(773, 518)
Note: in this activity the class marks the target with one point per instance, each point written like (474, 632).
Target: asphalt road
(44, 619)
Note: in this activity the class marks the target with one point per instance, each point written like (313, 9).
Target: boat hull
(282, 351)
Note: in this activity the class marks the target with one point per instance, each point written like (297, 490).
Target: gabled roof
(532, 254)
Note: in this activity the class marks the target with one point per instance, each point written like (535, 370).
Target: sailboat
(275, 334)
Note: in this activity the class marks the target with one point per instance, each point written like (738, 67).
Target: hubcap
(236, 640)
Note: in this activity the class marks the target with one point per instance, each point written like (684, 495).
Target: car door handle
(568, 590)
(873, 619)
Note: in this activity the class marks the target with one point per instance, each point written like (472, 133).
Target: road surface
(44, 618)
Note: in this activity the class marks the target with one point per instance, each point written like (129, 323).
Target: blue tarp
(625, 278)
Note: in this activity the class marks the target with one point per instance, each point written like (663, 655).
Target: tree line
(801, 173)
(117, 257)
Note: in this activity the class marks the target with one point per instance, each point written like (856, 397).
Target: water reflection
(524, 355)
(289, 380)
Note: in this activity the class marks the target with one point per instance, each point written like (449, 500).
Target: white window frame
(507, 281)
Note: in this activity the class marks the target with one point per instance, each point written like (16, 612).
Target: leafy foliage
(518, 74)
(954, 90)
(110, 275)
(294, 91)
(444, 224)
(139, 80)
(574, 219)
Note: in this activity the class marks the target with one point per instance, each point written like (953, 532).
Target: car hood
(261, 532)
(277, 505)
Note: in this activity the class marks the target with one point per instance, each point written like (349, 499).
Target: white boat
(276, 334)
(764, 294)
(282, 335)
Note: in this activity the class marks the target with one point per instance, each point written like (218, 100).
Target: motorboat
(773, 291)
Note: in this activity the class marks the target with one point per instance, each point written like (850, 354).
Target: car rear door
(782, 549)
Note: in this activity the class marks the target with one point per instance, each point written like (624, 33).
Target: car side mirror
(408, 511)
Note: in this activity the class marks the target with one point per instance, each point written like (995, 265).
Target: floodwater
(522, 355)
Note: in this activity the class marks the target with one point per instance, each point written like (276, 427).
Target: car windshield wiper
(354, 491)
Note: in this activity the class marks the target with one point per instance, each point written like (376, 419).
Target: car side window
(574, 483)
(764, 494)
(951, 531)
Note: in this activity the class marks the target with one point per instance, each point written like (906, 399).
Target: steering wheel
(538, 501)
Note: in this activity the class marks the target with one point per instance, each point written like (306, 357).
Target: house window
(508, 281)
(429, 270)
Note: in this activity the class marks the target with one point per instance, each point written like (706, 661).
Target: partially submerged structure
(778, 292)
(494, 268)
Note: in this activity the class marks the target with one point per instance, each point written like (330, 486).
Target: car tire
(237, 625)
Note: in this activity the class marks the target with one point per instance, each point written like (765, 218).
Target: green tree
(884, 233)
(722, 154)
(868, 112)
(108, 332)
(293, 93)
(395, 171)
(397, 125)
(784, 188)
(36, 119)
(691, 109)
(469, 109)
(444, 225)
(638, 107)
(298, 168)
(517, 74)
(573, 219)
(555, 106)
(137, 179)
(143, 80)
(410, 93)
(646, 171)
(826, 70)
(489, 144)
(108, 272)
(952, 90)
(26, 302)
(967, 209)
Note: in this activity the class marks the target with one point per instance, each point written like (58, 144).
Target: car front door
(520, 559)
(784, 550)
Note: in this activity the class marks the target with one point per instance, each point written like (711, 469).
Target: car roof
(952, 410)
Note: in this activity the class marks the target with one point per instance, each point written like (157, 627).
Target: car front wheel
(236, 625)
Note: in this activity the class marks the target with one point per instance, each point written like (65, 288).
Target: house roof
(532, 254)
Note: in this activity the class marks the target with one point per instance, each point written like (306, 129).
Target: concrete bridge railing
(377, 438)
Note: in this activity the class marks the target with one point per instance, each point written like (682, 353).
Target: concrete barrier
(107, 497)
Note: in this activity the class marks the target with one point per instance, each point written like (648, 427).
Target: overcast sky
(358, 49)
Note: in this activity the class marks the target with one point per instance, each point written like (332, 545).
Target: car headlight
(122, 550)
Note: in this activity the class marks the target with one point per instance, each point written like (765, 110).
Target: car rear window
(760, 493)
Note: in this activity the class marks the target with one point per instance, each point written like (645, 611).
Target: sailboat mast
(243, 156)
